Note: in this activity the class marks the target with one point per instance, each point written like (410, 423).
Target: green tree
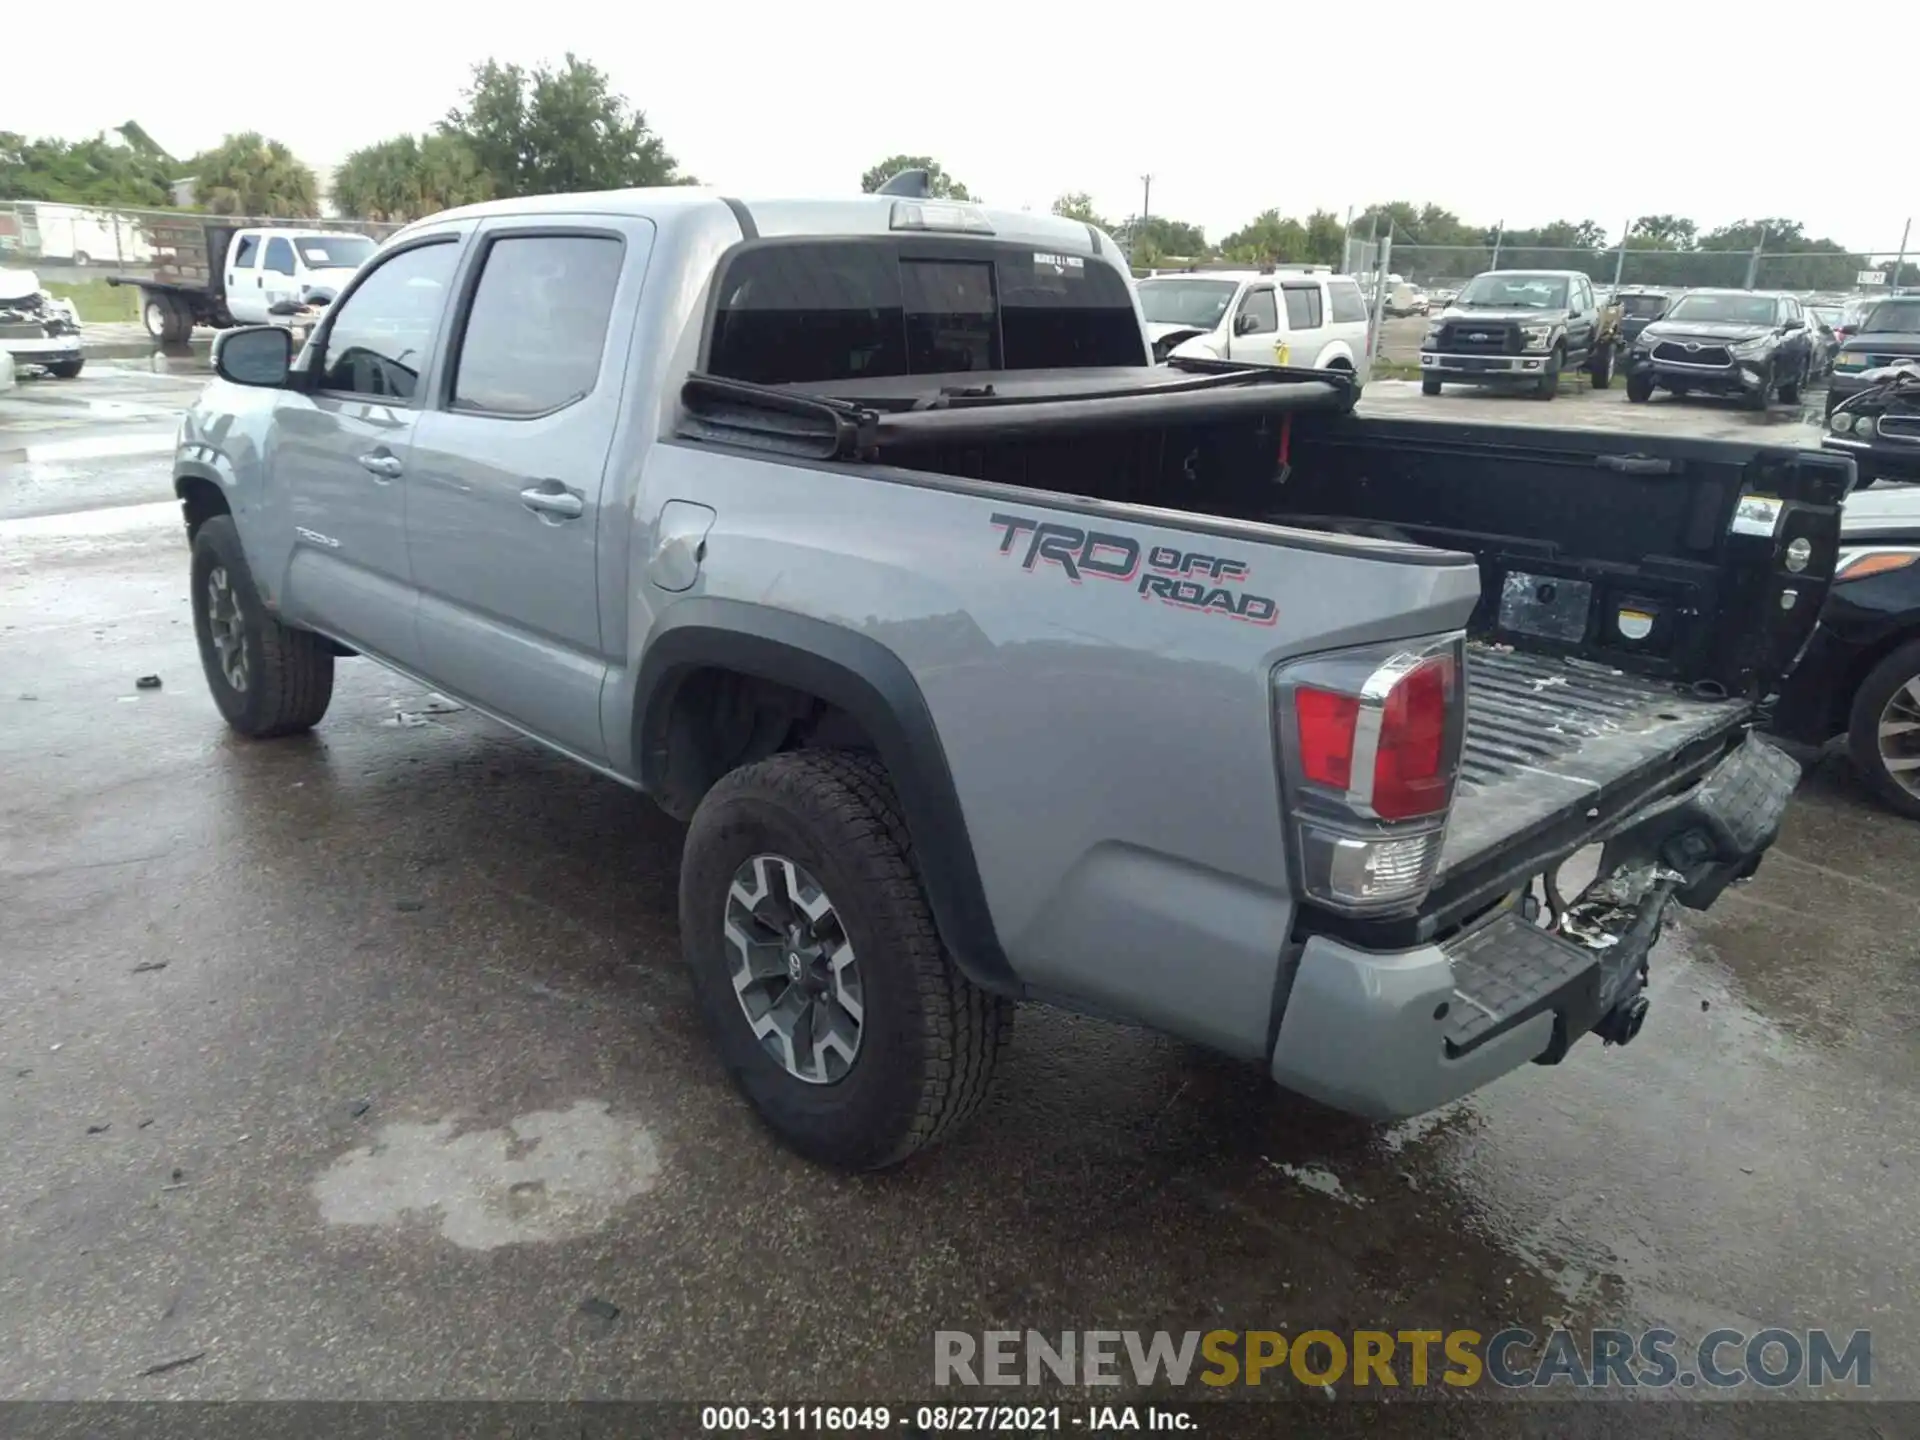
(1078, 205)
(939, 181)
(248, 174)
(1326, 238)
(409, 176)
(547, 131)
(1663, 232)
(128, 171)
(1267, 239)
(1164, 239)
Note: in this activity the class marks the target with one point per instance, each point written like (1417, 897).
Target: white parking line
(93, 524)
(91, 447)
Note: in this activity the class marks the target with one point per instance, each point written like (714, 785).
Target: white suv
(1304, 316)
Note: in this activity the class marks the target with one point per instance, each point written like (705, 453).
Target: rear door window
(537, 324)
(1303, 307)
(246, 250)
(1348, 307)
(816, 311)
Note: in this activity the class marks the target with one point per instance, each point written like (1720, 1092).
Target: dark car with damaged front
(1724, 342)
(1885, 334)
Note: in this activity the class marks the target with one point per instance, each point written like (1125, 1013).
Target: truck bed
(1549, 734)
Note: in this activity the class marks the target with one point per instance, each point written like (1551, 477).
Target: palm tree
(248, 174)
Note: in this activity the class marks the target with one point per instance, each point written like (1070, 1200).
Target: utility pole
(1620, 264)
(1346, 241)
(1900, 260)
(1146, 212)
(1753, 260)
(1499, 234)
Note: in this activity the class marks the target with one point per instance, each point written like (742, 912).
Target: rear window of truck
(815, 311)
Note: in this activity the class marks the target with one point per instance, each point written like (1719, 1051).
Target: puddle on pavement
(544, 1176)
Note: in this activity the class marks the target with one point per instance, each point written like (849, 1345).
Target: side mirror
(1244, 323)
(257, 355)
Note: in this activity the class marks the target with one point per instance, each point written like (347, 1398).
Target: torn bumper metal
(1387, 1035)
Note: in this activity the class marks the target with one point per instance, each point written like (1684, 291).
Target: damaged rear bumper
(1387, 1035)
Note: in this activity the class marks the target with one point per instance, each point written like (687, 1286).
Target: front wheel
(66, 369)
(1790, 389)
(1639, 388)
(1429, 385)
(815, 959)
(1883, 734)
(267, 679)
(1548, 385)
(1601, 367)
(1757, 400)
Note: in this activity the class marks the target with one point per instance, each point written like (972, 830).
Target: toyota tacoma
(988, 661)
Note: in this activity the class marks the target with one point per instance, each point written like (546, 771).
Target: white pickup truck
(222, 273)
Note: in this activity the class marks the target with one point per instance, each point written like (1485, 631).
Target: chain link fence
(36, 233)
(1667, 269)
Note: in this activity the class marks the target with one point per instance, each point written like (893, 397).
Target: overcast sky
(1024, 101)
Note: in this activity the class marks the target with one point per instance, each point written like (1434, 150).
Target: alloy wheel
(226, 627)
(793, 969)
(1899, 736)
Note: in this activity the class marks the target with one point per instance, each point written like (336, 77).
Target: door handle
(387, 467)
(551, 498)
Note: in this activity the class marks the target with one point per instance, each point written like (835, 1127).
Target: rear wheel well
(200, 500)
(719, 720)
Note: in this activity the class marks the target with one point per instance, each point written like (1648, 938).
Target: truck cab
(1304, 316)
(269, 267)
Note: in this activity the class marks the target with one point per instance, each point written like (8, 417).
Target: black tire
(928, 1038)
(1429, 385)
(287, 674)
(1898, 673)
(66, 369)
(1639, 388)
(166, 319)
(1790, 390)
(1601, 367)
(1548, 385)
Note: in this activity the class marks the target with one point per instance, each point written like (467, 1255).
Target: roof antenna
(914, 184)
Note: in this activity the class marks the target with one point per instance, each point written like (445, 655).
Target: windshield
(1515, 291)
(1643, 307)
(1893, 317)
(334, 252)
(1827, 315)
(1724, 309)
(1186, 302)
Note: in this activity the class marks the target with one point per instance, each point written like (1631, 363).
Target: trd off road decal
(1190, 579)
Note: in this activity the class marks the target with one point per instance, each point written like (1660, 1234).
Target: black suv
(1724, 342)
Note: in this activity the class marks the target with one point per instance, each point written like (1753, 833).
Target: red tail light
(1326, 736)
(1411, 773)
(1370, 744)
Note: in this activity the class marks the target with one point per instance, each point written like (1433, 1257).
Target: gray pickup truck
(990, 662)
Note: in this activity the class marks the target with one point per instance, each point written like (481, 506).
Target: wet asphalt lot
(362, 1066)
